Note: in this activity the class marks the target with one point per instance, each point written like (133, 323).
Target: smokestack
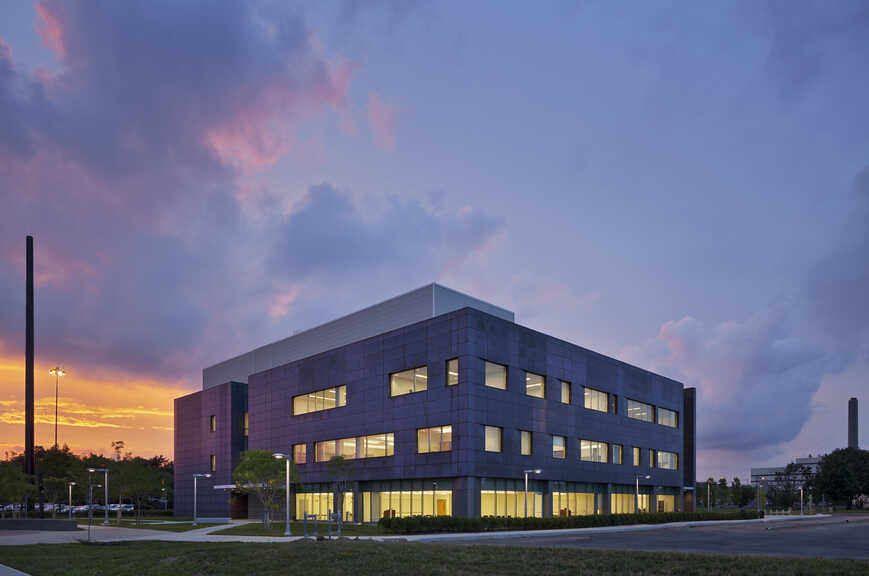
(853, 441)
(29, 353)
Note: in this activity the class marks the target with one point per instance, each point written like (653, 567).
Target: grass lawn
(385, 558)
(277, 529)
(183, 527)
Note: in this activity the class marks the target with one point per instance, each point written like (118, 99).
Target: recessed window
(496, 376)
(435, 439)
(565, 392)
(324, 399)
(212, 463)
(300, 453)
(668, 417)
(559, 447)
(373, 446)
(452, 372)
(617, 453)
(636, 456)
(493, 439)
(668, 460)
(651, 458)
(408, 381)
(593, 451)
(596, 400)
(614, 404)
(535, 385)
(641, 411)
(525, 441)
(244, 424)
(212, 423)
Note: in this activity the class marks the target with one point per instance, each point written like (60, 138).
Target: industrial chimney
(853, 441)
(29, 353)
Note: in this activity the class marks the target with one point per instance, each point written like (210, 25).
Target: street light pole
(195, 478)
(106, 486)
(286, 457)
(57, 371)
(637, 493)
(70, 485)
(801, 500)
(90, 506)
(527, 472)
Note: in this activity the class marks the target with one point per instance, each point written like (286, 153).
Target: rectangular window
(668, 417)
(668, 460)
(493, 439)
(651, 458)
(408, 381)
(373, 446)
(636, 458)
(617, 453)
(640, 411)
(525, 442)
(559, 447)
(300, 453)
(565, 392)
(614, 404)
(212, 463)
(435, 439)
(596, 400)
(318, 400)
(535, 385)
(592, 451)
(212, 423)
(452, 372)
(496, 376)
(244, 424)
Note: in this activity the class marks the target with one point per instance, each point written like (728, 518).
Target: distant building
(774, 476)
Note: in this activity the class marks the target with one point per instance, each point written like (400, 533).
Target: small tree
(259, 473)
(142, 481)
(843, 475)
(339, 469)
(15, 485)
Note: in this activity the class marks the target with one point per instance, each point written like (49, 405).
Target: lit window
(435, 439)
(212, 423)
(212, 463)
(452, 372)
(347, 448)
(535, 385)
(640, 411)
(636, 452)
(408, 381)
(591, 451)
(525, 442)
(493, 439)
(300, 453)
(668, 460)
(565, 392)
(496, 376)
(596, 400)
(617, 453)
(651, 458)
(668, 418)
(559, 447)
(244, 424)
(318, 400)
(373, 446)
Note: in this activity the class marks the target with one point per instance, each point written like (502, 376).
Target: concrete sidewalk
(7, 571)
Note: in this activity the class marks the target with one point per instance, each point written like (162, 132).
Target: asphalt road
(835, 537)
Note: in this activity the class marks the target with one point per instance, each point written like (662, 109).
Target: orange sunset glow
(96, 406)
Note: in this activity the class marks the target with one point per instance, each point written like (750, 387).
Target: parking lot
(834, 537)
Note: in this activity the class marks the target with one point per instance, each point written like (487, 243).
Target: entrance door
(238, 506)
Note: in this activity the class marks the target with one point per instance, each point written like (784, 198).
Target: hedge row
(429, 524)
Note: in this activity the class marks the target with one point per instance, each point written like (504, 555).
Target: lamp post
(286, 457)
(801, 500)
(762, 478)
(165, 499)
(708, 496)
(70, 485)
(106, 486)
(90, 506)
(637, 493)
(527, 472)
(57, 371)
(434, 489)
(195, 478)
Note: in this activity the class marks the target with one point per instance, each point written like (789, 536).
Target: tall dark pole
(29, 464)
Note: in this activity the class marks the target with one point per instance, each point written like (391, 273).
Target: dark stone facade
(472, 337)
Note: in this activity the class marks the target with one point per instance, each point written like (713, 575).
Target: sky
(681, 185)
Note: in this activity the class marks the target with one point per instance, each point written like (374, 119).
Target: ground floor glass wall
(510, 503)
(321, 504)
(401, 503)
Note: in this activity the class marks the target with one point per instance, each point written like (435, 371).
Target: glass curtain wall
(402, 503)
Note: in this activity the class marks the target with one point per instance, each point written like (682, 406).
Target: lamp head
(647, 476)
(71, 484)
(279, 456)
(538, 471)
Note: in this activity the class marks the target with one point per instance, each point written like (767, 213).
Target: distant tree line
(842, 479)
(143, 482)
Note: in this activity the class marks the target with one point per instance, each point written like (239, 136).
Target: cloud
(381, 118)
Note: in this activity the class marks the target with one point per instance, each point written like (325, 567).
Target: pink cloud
(282, 301)
(50, 30)
(381, 117)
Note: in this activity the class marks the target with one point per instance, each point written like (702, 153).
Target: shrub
(430, 524)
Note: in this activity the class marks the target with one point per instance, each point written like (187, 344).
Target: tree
(843, 475)
(339, 469)
(15, 485)
(142, 481)
(723, 494)
(260, 473)
(738, 495)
